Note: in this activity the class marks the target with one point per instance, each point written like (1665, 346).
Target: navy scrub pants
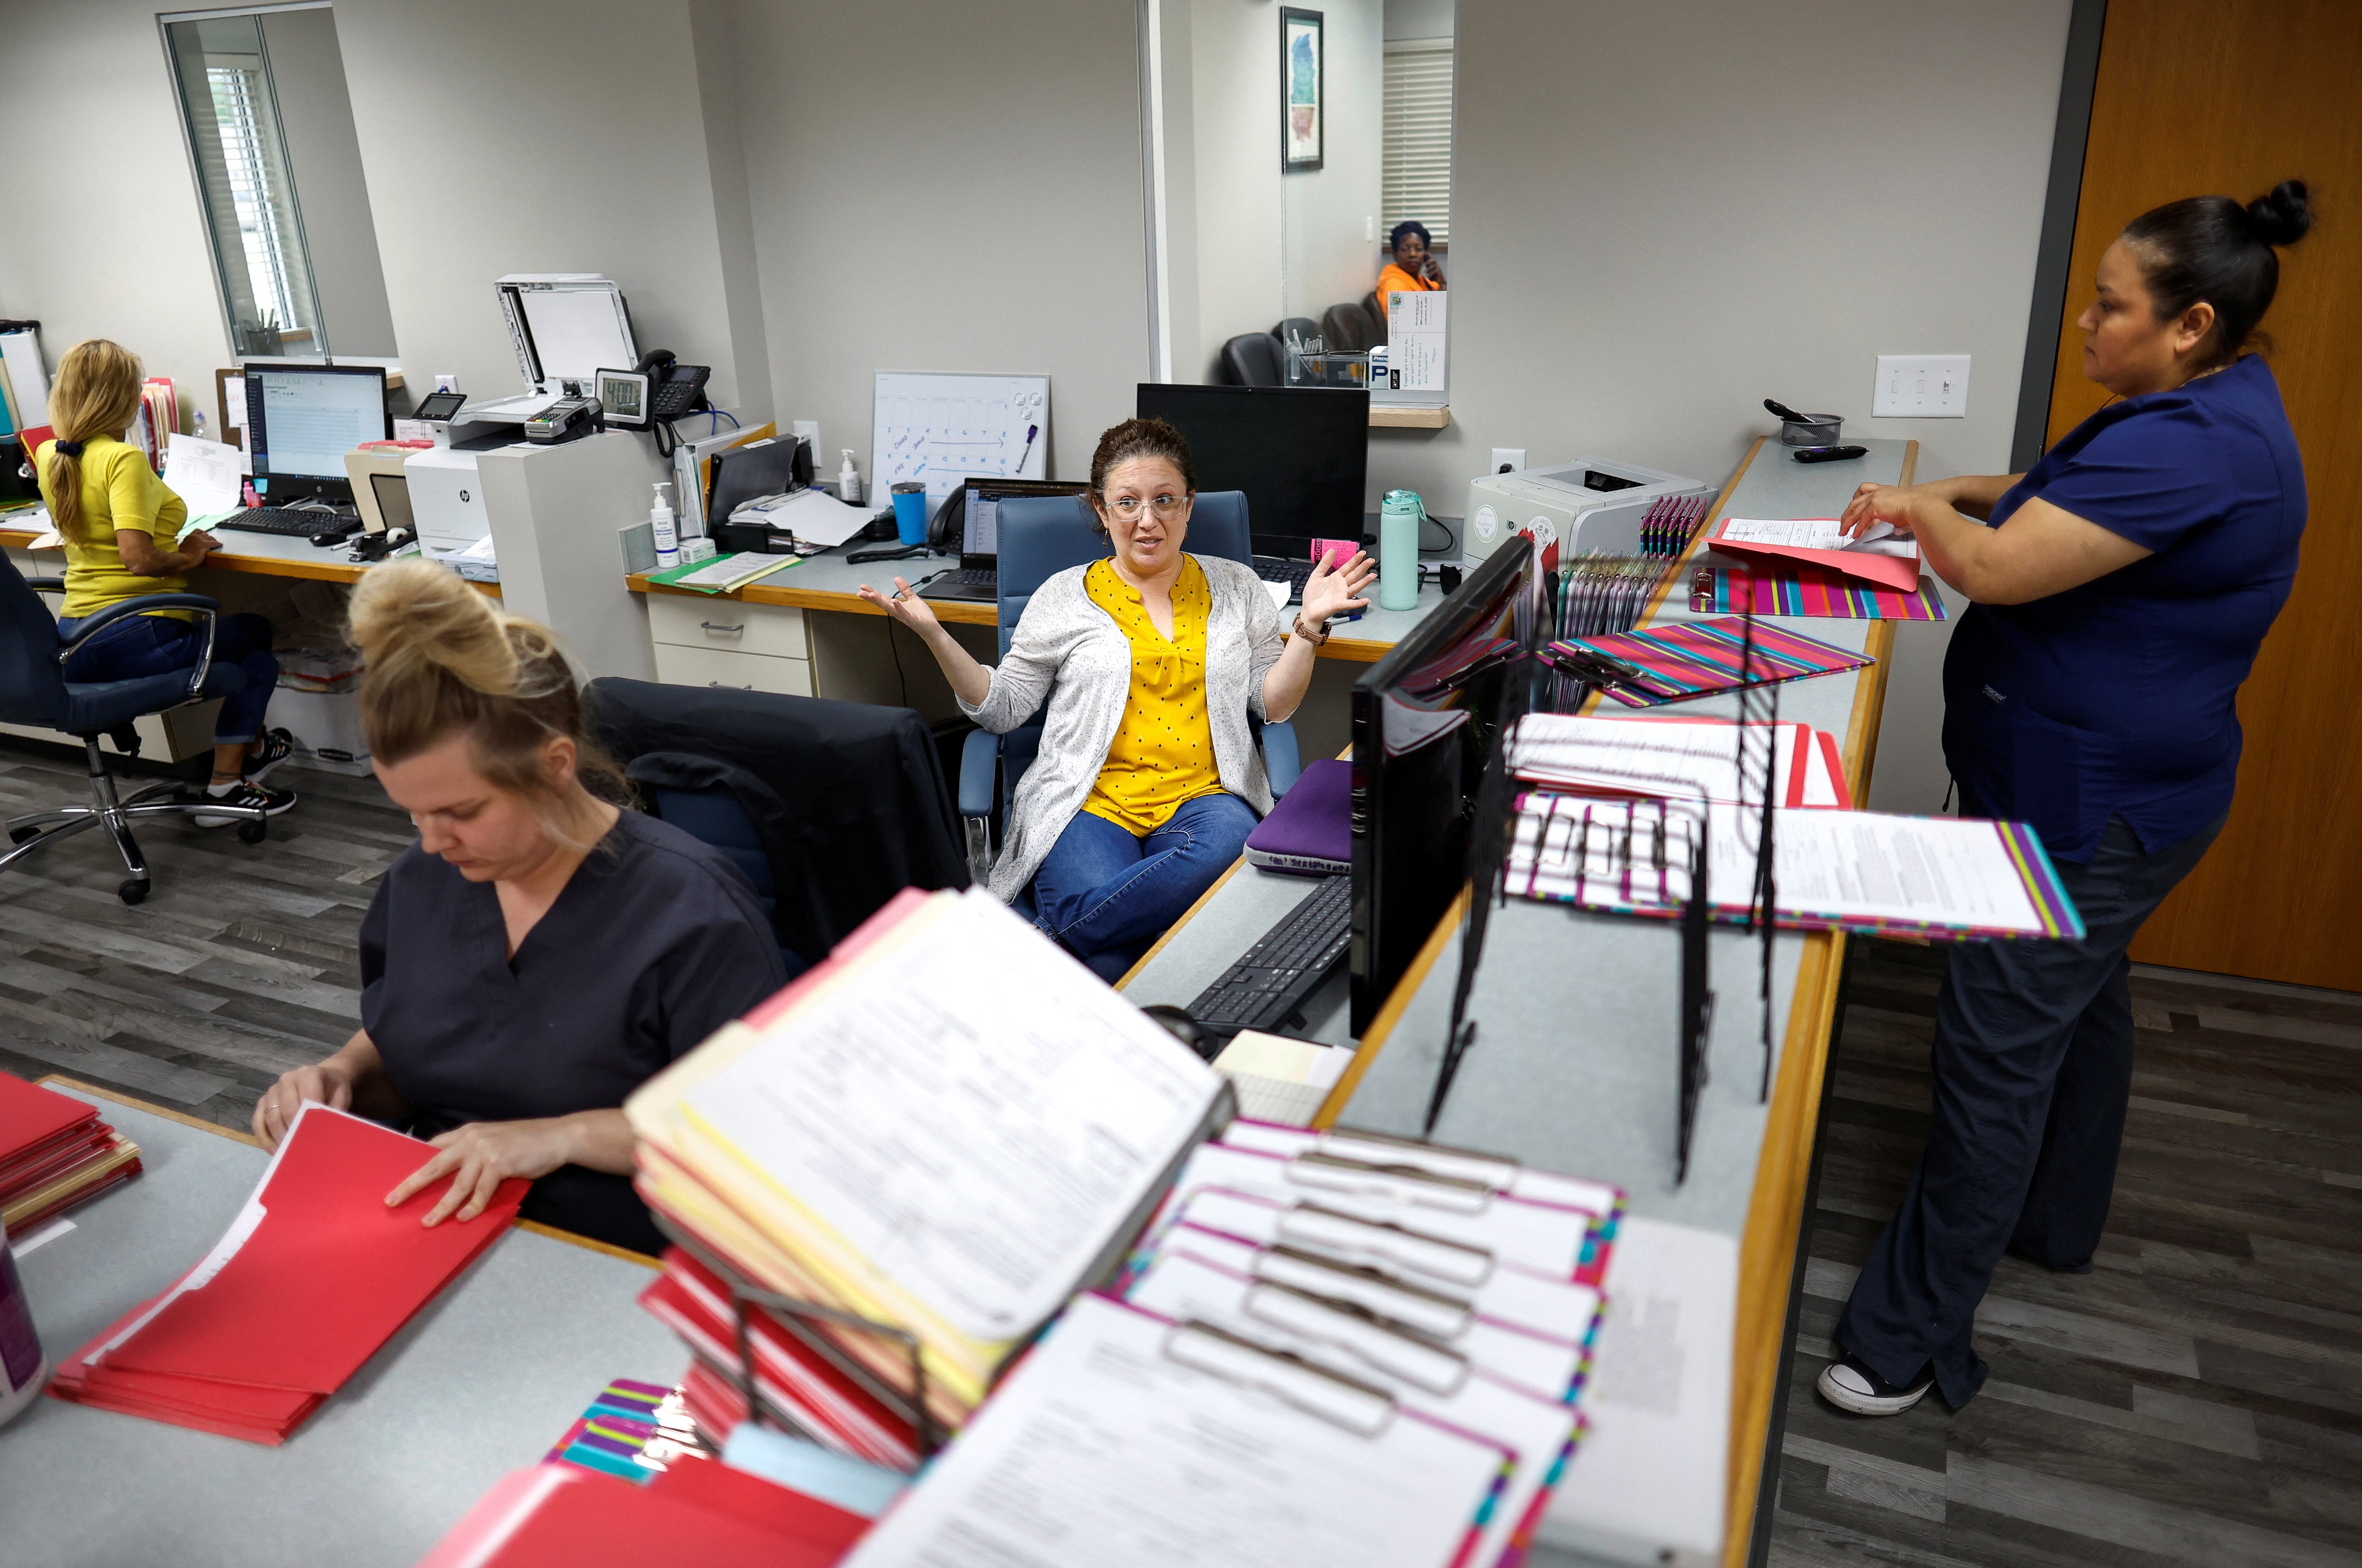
(2033, 1066)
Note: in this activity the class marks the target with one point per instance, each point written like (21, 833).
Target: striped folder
(1698, 659)
(1720, 591)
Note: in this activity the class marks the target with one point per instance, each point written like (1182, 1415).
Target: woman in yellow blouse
(1151, 662)
(120, 527)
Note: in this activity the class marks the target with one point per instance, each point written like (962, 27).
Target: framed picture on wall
(1301, 60)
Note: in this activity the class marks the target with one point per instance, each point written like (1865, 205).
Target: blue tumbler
(911, 512)
(1398, 519)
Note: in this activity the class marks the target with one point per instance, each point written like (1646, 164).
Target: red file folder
(558, 1514)
(310, 1278)
(1896, 572)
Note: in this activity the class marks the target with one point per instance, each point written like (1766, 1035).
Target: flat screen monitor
(1301, 454)
(300, 420)
(1424, 717)
(978, 500)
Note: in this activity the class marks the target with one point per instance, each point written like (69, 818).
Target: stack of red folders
(313, 1274)
(54, 1151)
(828, 1405)
(707, 1514)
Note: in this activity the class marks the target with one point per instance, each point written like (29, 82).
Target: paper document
(1818, 534)
(812, 515)
(1676, 758)
(204, 474)
(976, 1142)
(1106, 1446)
(1279, 1079)
(1417, 331)
(725, 574)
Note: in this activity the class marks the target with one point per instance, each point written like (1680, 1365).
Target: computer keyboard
(1277, 568)
(1271, 981)
(281, 520)
(971, 577)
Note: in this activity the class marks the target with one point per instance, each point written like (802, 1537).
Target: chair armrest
(45, 584)
(98, 620)
(980, 762)
(1283, 764)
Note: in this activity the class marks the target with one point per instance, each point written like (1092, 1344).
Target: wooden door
(2199, 97)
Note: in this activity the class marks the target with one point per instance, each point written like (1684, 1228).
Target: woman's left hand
(1338, 592)
(1880, 503)
(480, 1156)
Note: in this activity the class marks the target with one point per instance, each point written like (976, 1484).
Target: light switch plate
(1921, 386)
(1514, 457)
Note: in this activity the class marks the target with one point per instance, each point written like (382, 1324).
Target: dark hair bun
(2281, 217)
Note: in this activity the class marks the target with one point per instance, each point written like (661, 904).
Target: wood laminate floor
(2197, 1398)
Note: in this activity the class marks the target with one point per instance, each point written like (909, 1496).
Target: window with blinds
(1417, 179)
(260, 211)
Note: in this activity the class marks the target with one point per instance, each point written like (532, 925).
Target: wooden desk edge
(59, 1080)
(258, 566)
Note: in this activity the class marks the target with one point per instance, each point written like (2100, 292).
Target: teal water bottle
(1398, 519)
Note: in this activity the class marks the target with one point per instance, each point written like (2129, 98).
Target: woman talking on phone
(2119, 590)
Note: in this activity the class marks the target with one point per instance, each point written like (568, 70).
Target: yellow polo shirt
(1164, 751)
(118, 491)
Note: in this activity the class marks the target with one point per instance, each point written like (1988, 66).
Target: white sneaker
(1850, 1385)
(248, 795)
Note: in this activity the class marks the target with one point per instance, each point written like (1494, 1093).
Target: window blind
(1416, 182)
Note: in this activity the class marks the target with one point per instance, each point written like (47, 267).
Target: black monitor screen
(1301, 454)
(302, 420)
(1424, 718)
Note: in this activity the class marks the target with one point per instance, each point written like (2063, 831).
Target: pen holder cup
(1813, 430)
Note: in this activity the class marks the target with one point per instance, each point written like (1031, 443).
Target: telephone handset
(675, 389)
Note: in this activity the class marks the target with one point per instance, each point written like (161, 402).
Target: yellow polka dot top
(1164, 750)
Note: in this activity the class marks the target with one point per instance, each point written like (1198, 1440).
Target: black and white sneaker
(249, 795)
(271, 748)
(1850, 1385)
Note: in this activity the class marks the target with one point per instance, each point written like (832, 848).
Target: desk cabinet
(723, 642)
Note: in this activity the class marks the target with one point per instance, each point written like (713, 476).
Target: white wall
(1232, 191)
(1328, 251)
(950, 188)
(1630, 282)
(308, 79)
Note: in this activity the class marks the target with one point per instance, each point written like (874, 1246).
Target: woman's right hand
(903, 605)
(276, 1111)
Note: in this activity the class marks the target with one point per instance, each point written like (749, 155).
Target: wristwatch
(1315, 638)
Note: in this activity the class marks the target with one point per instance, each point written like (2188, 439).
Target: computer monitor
(302, 419)
(1424, 718)
(1301, 454)
(978, 499)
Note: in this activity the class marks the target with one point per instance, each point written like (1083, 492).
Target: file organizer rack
(1758, 770)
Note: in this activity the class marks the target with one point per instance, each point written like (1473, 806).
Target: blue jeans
(2033, 1065)
(1107, 895)
(157, 645)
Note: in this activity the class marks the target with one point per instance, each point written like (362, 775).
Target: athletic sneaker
(271, 748)
(1850, 1385)
(246, 792)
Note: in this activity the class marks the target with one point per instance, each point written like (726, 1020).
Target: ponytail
(96, 393)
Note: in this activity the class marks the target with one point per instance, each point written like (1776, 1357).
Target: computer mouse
(328, 539)
(1178, 1022)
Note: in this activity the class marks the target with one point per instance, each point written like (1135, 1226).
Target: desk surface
(1574, 1067)
(479, 1383)
(262, 555)
(827, 580)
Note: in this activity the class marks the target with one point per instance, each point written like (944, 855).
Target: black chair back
(1255, 360)
(1300, 333)
(32, 688)
(1347, 329)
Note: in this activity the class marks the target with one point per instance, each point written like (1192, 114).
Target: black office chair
(829, 808)
(1255, 360)
(1375, 309)
(34, 691)
(1300, 333)
(1347, 328)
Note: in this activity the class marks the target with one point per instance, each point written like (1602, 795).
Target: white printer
(1590, 504)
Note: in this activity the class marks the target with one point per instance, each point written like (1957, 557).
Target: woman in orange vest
(1413, 269)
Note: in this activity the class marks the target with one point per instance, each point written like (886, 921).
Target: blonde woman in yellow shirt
(1151, 662)
(119, 525)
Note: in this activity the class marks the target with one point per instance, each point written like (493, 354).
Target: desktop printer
(1588, 504)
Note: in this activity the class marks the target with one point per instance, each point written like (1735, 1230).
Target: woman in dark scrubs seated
(538, 954)
(2119, 591)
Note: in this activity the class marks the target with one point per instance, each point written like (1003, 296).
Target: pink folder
(1896, 572)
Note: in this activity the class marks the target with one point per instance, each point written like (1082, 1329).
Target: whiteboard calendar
(942, 429)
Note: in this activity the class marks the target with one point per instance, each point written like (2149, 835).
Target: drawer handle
(734, 631)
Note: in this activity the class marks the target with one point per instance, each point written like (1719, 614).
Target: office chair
(1039, 537)
(1375, 309)
(1347, 329)
(1300, 333)
(34, 691)
(1255, 360)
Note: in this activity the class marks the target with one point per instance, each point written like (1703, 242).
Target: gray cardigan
(1070, 652)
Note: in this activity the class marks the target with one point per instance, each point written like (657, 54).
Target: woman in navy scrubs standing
(2120, 591)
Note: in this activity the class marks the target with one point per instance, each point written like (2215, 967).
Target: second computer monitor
(1301, 454)
(302, 419)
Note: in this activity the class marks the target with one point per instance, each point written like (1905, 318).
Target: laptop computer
(975, 510)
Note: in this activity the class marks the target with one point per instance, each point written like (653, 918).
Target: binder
(1696, 659)
(1105, 1446)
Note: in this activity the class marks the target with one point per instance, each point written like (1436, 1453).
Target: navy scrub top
(2117, 697)
(655, 943)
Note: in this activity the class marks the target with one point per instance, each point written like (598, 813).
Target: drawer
(677, 666)
(703, 623)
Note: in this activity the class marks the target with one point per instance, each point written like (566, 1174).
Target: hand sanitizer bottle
(848, 480)
(660, 522)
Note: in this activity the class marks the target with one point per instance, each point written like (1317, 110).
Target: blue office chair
(34, 691)
(1040, 537)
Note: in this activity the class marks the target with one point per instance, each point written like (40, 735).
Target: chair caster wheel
(19, 836)
(253, 831)
(131, 892)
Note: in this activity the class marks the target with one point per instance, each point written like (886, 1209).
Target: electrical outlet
(1921, 386)
(1370, 227)
(1511, 458)
(809, 430)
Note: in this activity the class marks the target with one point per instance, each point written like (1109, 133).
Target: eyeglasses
(1167, 507)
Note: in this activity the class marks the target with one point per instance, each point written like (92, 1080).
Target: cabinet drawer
(703, 623)
(677, 666)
